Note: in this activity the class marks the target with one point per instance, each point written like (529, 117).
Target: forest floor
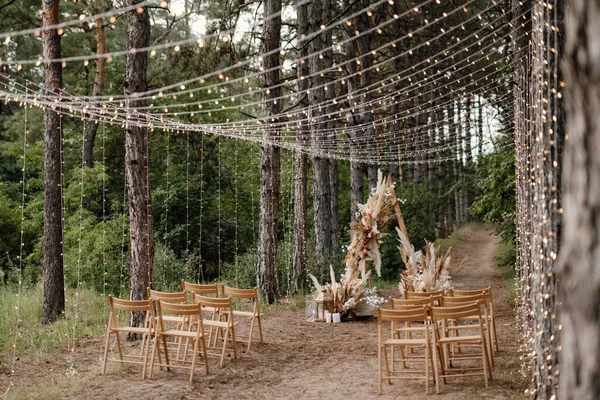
(298, 360)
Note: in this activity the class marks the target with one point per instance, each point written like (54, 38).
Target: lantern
(323, 303)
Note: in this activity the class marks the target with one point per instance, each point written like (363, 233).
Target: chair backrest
(239, 293)
(468, 311)
(471, 292)
(450, 301)
(129, 305)
(405, 314)
(117, 304)
(176, 297)
(219, 303)
(421, 301)
(415, 295)
(164, 307)
(200, 288)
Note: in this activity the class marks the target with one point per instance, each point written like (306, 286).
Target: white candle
(336, 317)
(327, 317)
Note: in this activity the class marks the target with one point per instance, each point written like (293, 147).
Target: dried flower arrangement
(351, 294)
(366, 235)
(350, 297)
(426, 271)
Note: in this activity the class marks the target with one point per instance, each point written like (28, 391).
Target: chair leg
(260, 329)
(380, 369)
(224, 348)
(156, 340)
(485, 361)
(235, 351)
(194, 358)
(118, 338)
(427, 356)
(250, 334)
(205, 354)
(107, 342)
(494, 332)
(387, 365)
(435, 370)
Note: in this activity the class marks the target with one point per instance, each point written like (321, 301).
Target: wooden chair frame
(489, 303)
(254, 315)
(480, 298)
(170, 297)
(468, 312)
(192, 329)
(113, 328)
(407, 315)
(224, 324)
(203, 289)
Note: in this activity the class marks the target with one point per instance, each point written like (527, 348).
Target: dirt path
(300, 359)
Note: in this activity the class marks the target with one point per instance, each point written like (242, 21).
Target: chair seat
(217, 324)
(179, 333)
(131, 329)
(243, 313)
(405, 342)
(458, 339)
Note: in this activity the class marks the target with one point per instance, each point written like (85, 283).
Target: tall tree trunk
(54, 293)
(321, 196)
(479, 129)
(270, 159)
(357, 169)
(92, 125)
(466, 194)
(328, 8)
(137, 161)
(300, 159)
(579, 261)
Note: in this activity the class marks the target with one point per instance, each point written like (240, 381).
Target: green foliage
(86, 314)
(496, 183)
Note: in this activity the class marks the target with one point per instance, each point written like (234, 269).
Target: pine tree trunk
(357, 169)
(54, 293)
(466, 194)
(270, 159)
(328, 8)
(92, 125)
(479, 129)
(321, 195)
(300, 160)
(579, 261)
(137, 159)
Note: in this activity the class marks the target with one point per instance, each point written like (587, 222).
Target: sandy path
(309, 360)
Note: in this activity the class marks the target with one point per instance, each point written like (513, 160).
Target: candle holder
(323, 303)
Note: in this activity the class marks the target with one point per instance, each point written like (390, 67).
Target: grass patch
(456, 236)
(504, 257)
(86, 310)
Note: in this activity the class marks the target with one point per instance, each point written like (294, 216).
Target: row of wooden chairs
(182, 329)
(445, 327)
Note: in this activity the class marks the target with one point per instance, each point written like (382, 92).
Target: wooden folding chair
(489, 303)
(408, 329)
(192, 329)
(442, 339)
(411, 315)
(176, 298)
(480, 298)
(224, 323)
(254, 314)
(113, 328)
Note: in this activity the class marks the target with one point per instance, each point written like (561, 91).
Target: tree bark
(357, 171)
(270, 160)
(579, 261)
(54, 293)
(92, 125)
(321, 187)
(137, 158)
(300, 159)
